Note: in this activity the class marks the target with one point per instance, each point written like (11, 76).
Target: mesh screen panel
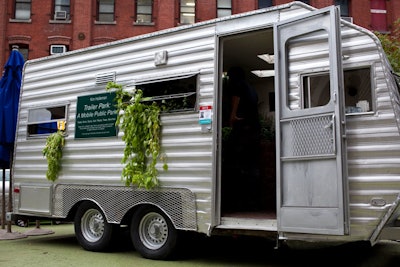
(116, 201)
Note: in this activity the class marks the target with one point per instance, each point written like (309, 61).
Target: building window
(187, 11)
(105, 10)
(23, 49)
(264, 3)
(144, 11)
(58, 49)
(44, 121)
(23, 9)
(344, 7)
(224, 8)
(61, 9)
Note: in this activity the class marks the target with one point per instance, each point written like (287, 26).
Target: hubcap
(92, 225)
(153, 230)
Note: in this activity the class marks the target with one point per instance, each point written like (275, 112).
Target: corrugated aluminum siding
(61, 79)
(373, 141)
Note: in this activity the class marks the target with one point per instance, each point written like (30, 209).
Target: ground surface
(61, 249)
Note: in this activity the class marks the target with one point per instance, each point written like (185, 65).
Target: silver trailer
(331, 173)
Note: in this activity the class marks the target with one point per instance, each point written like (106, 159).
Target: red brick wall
(361, 13)
(3, 33)
(82, 24)
(240, 6)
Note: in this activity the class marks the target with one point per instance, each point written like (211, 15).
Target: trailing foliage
(391, 46)
(53, 153)
(141, 125)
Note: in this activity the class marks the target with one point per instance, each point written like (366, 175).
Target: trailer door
(310, 115)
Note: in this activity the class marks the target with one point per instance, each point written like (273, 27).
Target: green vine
(141, 125)
(53, 152)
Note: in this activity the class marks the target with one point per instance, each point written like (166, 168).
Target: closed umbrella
(10, 85)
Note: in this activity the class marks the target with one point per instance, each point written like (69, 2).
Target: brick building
(41, 28)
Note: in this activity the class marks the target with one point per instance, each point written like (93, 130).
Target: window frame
(184, 10)
(62, 7)
(139, 13)
(221, 8)
(170, 95)
(32, 131)
(349, 110)
(101, 4)
(18, 8)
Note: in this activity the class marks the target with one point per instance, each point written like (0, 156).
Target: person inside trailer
(245, 137)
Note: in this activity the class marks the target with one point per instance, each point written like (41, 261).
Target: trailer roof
(297, 4)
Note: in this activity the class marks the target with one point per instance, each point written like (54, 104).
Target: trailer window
(358, 91)
(357, 86)
(174, 95)
(315, 90)
(43, 121)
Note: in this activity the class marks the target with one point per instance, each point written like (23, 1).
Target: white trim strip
(378, 11)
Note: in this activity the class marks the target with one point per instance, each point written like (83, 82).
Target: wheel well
(73, 210)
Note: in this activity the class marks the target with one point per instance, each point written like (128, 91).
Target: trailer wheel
(153, 234)
(92, 230)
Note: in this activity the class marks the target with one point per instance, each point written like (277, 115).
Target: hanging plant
(53, 153)
(141, 125)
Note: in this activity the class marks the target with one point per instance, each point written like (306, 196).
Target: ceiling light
(263, 73)
(267, 57)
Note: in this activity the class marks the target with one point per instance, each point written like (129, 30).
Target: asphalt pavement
(60, 248)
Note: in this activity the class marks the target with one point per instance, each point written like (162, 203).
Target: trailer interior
(245, 194)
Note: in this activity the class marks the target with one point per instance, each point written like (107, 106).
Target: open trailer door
(311, 170)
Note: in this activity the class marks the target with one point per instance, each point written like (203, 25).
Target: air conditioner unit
(60, 15)
(348, 19)
(57, 49)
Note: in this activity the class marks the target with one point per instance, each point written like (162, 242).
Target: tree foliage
(391, 46)
(141, 125)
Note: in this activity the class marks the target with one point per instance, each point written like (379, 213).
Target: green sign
(96, 116)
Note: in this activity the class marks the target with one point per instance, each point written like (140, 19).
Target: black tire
(153, 234)
(92, 230)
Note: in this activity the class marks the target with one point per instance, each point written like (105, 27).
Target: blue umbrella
(10, 85)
